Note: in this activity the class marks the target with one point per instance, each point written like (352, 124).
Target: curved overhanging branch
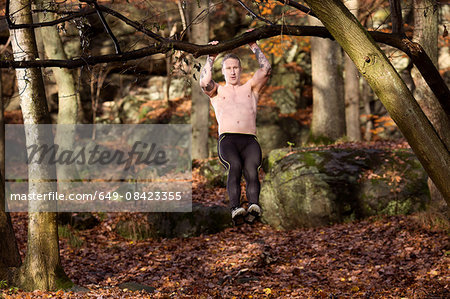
(165, 45)
(413, 50)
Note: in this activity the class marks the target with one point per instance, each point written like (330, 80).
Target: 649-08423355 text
(98, 195)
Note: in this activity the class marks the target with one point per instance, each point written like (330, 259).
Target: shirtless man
(235, 108)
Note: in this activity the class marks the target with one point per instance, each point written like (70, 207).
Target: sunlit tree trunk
(390, 89)
(426, 34)
(67, 92)
(352, 94)
(42, 266)
(328, 117)
(200, 102)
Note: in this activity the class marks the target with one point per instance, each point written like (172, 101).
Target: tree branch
(82, 13)
(105, 24)
(73, 15)
(413, 50)
(168, 44)
(8, 17)
(299, 6)
(254, 14)
(423, 63)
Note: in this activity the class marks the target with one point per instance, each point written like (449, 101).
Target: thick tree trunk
(351, 88)
(42, 266)
(328, 117)
(391, 90)
(426, 34)
(9, 253)
(200, 102)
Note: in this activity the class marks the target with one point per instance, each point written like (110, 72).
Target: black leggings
(240, 153)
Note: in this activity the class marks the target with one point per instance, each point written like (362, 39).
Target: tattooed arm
(262, 75)
(206, 82)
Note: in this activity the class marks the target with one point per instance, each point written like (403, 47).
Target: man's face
(232, 71)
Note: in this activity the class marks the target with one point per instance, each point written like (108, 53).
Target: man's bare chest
(241, 96)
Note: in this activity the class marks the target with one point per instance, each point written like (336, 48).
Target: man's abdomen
(243, 124)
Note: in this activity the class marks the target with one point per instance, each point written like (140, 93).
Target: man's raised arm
(262, 75)
(206, 82)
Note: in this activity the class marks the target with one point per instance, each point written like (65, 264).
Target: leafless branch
(254, 14)
(105, 24)
(82, 13)
(73, 15)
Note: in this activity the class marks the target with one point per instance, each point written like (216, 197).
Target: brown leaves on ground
(382, 257)
(385, 257)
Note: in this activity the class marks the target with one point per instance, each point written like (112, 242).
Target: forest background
(315, 100)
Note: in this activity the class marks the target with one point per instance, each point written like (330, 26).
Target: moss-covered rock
(303, 189)
(214, 173)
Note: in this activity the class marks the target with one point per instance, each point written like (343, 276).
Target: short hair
(231, 55)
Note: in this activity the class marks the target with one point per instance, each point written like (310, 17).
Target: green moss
(397, 207)
(62, 280)
(275, 156)
(310, 159)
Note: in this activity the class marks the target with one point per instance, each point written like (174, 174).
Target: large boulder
(157, 87)
(202, 220)
(313, 188)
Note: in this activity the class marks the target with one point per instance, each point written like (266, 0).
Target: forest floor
(379, 257)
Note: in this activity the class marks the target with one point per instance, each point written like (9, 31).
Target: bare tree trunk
(351, 87)
(200, 102)
(328, 117)
(2, 132)
(42, 266)
(9, 253)
(391, 90)
(366, 96)
(169, 62)
(426, 34)
(67, 93)
(396, 16)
